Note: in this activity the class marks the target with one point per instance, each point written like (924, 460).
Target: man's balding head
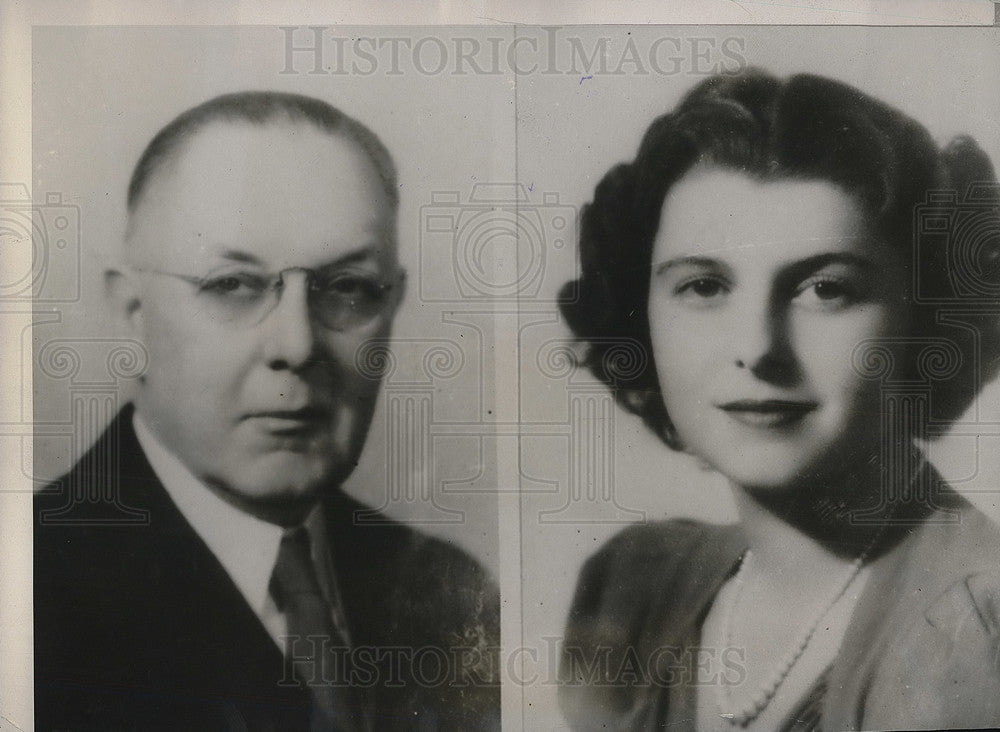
(259, 108)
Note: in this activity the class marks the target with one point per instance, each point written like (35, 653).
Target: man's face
(268, 411)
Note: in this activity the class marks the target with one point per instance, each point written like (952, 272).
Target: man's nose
(290, 338)
(761, 341)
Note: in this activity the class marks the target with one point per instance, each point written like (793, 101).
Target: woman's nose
(290, 338)
(761, 342)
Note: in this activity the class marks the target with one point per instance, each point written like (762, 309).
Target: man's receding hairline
(263, 110)
(168, 162)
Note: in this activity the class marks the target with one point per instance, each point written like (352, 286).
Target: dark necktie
(315, 649)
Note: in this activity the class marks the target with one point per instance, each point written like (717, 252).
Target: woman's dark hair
(805, 127)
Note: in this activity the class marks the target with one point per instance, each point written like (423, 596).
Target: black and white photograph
(505, 375)
(775, 352)
(285, 516)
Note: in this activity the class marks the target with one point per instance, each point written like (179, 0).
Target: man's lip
(282, 421)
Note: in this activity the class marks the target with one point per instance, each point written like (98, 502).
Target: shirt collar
(246, 546)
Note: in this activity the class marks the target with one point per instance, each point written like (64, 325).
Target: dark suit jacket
(922, 650)
(139, 627)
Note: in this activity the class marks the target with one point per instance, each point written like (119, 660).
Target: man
(260, 256)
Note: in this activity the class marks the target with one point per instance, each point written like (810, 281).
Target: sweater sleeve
(602, 684)
(951, 678)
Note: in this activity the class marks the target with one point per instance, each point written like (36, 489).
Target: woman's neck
(795, 534)
(785, 555)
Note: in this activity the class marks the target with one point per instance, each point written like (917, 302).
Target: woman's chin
(771, 478)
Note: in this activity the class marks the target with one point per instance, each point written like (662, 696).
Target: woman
(802, 330)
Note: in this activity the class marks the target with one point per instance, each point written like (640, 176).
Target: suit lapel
(364, 561)
(202, 637)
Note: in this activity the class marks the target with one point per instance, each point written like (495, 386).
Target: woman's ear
(637, 401)
(122, 292)
(634, 400)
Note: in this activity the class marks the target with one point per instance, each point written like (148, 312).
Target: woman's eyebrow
(690, 261)
(818, 261)
(794, 272)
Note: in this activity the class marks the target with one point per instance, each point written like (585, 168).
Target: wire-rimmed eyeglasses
(340, 298)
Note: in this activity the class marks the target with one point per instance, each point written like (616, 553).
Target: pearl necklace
(765, 693)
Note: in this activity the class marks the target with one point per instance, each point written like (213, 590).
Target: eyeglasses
(340, 299)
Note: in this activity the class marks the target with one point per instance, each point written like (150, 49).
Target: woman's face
(759, 294)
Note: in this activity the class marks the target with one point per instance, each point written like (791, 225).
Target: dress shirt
(246, 546)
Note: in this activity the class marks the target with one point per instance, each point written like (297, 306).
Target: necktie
(315, 649)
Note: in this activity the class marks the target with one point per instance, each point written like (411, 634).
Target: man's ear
(122, 292)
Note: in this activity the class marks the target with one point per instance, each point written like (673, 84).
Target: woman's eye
(829, 290)
(826, 293)
(701, 288)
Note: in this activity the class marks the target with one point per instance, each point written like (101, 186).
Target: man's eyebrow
(236, 255)
(367, 251)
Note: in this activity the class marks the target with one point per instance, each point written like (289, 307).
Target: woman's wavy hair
(804, 127)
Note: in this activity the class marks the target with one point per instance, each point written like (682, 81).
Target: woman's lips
(768, 412)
